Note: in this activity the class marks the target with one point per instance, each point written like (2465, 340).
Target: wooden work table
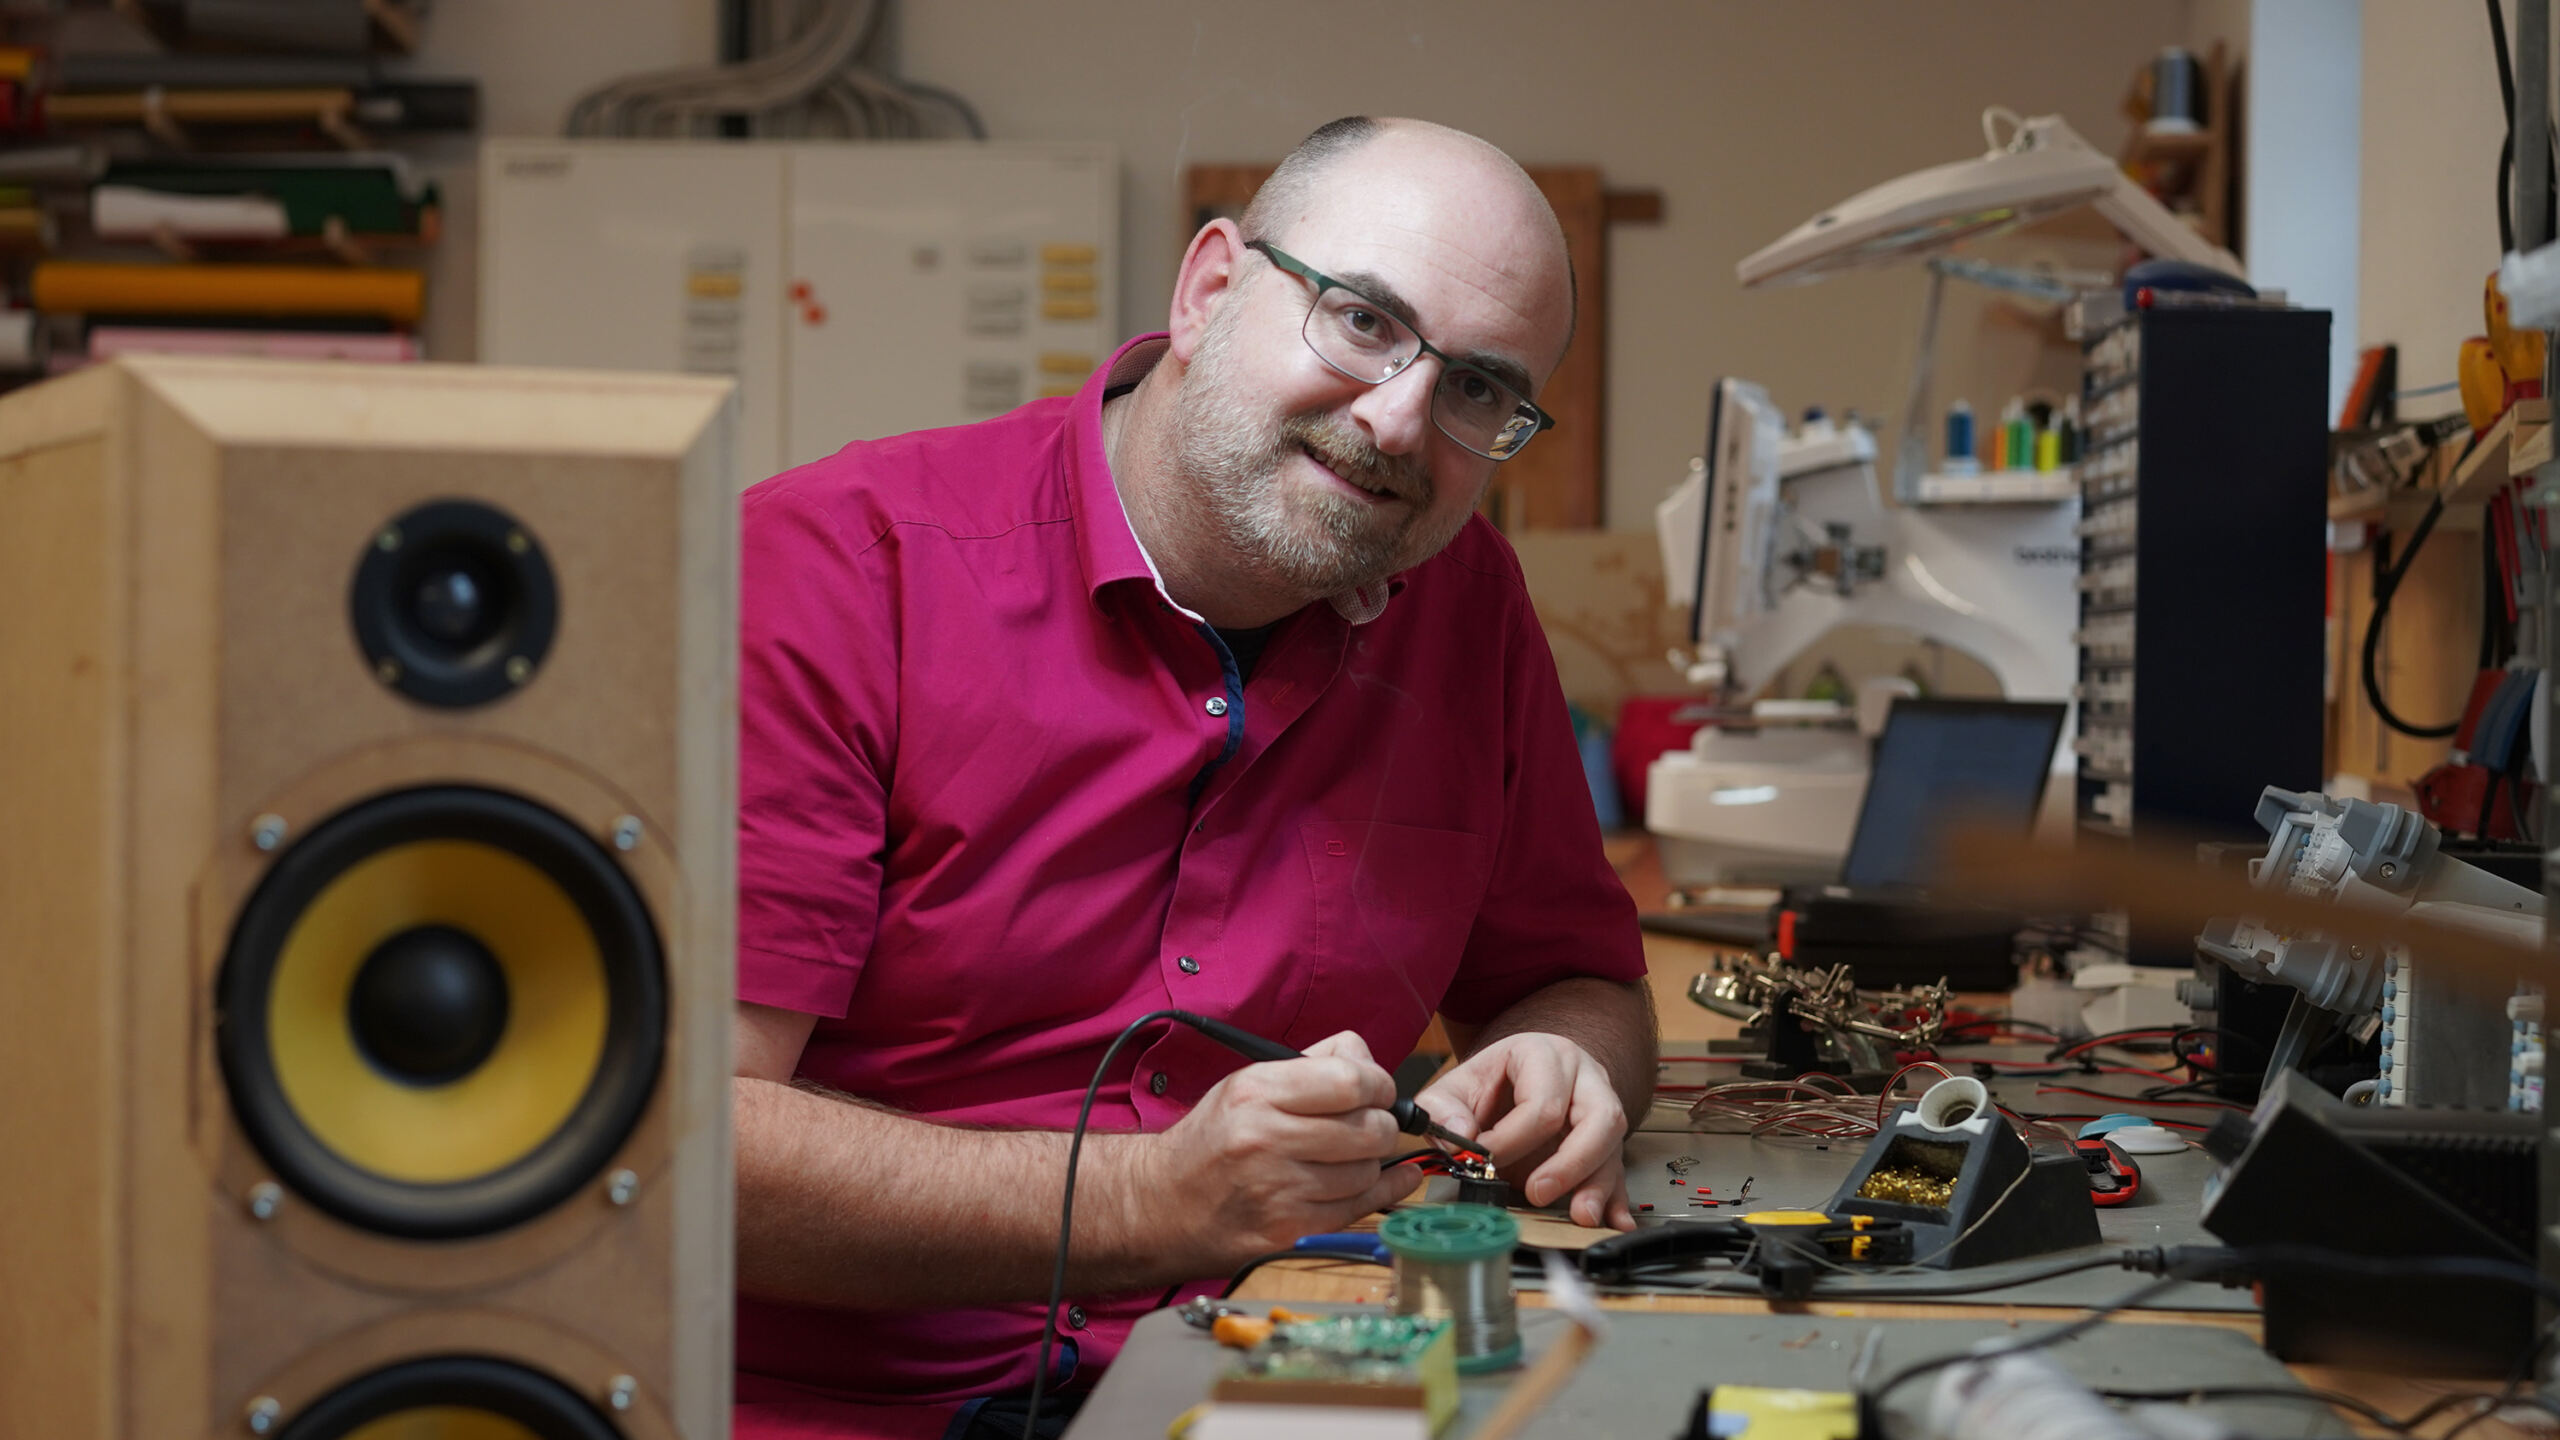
(1672, 962)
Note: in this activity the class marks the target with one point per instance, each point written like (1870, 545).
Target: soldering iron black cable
(1067, 1210)
(2386, 584)
(2260, 1259)
(1067, 1202)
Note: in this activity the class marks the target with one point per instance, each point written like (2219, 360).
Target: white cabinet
(854, 289)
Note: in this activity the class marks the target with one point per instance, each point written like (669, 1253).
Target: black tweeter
(454, 604)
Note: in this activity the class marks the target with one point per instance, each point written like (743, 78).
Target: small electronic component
(1403, 1362)
(2113, 1177)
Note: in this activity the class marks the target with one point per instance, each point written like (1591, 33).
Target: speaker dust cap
(459, 1397)
(454, 604)
(442, 1012)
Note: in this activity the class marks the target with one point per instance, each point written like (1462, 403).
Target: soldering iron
(1410, 1118)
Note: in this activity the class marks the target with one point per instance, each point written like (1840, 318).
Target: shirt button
(1160, 1084)
(1075, 1317)
(1189, 965)
(1217, 705)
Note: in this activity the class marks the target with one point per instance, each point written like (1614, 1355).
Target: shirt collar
(1105, 540)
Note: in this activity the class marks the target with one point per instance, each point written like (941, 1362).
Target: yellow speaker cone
(442, 1422)
(451, 1397)
(442, 1012)
(490, 1117)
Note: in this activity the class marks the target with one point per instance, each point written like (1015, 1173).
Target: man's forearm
(1611, 1021)
(849, 1205)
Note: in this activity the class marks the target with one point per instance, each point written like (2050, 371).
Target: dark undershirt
(1246, 646)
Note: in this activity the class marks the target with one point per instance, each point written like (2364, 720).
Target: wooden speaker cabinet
(367, 783)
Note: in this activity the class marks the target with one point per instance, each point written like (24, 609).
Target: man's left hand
(1539, 1102)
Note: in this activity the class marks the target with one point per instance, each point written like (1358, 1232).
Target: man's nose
(1397, 410)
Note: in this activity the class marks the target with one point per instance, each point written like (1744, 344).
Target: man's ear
(1211, 270)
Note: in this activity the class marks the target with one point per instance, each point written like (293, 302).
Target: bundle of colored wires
(1814, 1104)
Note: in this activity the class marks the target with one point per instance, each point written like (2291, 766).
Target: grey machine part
(2443, 1043)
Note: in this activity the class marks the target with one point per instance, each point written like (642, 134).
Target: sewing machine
(1774, 540)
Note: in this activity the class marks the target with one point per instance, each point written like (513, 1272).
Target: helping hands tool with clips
(1410, 1118)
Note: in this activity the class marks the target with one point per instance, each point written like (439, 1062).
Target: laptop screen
(1942, 763)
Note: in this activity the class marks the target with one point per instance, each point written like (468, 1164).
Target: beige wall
(2430, 222)
(531, 57)
(1749, 116)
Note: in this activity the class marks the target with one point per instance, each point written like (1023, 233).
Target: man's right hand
(1274, 1151)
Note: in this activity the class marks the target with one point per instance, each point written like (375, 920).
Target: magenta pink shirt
(999, 797)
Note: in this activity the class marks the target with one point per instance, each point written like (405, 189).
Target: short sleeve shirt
(999, 796)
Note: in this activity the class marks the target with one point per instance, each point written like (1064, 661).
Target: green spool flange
(1451, 1233)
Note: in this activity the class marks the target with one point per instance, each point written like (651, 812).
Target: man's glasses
(1356, 336)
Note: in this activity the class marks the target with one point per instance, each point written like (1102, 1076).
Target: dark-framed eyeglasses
(1360, 338)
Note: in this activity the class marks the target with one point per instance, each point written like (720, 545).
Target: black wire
(2338, 1398)
(2055, 1336)
(2386, 584)
(2506, 1394)
(1236, 1281)
(1920, 1292)
(2002, 1022)
(2507, 104)
(1411, 1156)
(2148, 1035)
(2261, 1258)
(1067, 1210)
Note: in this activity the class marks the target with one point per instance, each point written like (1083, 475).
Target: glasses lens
(1482, 413)
(1359, 339)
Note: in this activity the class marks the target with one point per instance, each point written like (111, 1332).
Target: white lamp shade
(2045, 170)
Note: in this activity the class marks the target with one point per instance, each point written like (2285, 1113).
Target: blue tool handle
(1349, 1244)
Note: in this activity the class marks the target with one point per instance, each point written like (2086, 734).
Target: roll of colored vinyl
(95, 288)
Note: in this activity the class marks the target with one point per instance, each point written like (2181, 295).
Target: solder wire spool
(1453, 1262)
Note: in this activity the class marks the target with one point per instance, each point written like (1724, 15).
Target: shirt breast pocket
(1393, 907)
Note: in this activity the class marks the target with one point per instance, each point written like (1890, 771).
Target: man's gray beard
(1313, 540)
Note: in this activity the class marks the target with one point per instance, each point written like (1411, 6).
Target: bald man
(1205, 689)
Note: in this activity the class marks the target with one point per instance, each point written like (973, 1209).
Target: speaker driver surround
(454, 604)
(441, 1012)
(460, 1397)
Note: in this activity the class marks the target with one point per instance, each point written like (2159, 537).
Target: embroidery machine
(1776, 540)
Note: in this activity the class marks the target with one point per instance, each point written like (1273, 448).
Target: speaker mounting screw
(265, 1198)
(621, 1186)
(516, 543)
(268, 831)
(387, 538)
(620, 1393)
(263, 1413)
(519, 669)
(626, 833)
(387, 671)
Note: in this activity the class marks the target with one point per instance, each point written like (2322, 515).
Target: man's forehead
(1475, 279)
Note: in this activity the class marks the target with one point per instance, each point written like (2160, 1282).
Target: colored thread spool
(1453, 1262)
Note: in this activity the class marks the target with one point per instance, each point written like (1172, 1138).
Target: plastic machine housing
(2048, 1209)
(2203, 534)
(2382, 1182)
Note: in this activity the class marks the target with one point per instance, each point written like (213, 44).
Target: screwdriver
(1410, 1118)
